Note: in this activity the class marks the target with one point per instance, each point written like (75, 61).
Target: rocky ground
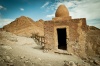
(23, 51)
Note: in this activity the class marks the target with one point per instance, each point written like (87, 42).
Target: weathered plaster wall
(49, 35)
(74, 29)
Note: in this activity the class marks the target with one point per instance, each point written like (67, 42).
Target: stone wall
(49, 34)
(74, 29)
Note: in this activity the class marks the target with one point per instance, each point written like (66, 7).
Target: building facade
(63, 32)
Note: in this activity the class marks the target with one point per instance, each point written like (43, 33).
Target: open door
(61, 33)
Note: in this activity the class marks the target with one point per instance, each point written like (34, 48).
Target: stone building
(60, 33)
(63, 32)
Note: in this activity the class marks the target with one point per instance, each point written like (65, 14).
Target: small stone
(2, 60)
(45, 51)
(89, 58)
(78, 64)
(11, 61)
(10, 64)
(91, 61)
(7, 47)
(7, 59)
(39, 59)
(71, 63)
(97, 62)
(66, 63)
(26, 61)
(86, 64)
(22, 57)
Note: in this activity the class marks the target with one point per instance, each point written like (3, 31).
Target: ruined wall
(49, 35)
(81, 40)
(78, 44)
(74, 29)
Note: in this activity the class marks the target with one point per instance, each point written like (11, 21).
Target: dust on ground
(23, 51)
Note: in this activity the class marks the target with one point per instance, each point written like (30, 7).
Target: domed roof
(62, 11)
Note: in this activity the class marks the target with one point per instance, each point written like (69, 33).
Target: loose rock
(97, 62)
(71, 63)
(22, 57)
(7, 47)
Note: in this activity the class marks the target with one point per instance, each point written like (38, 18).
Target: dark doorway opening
(61, 32)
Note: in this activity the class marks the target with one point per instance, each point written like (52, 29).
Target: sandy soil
(22, 51)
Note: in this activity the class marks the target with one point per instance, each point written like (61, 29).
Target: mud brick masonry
(55, 28)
